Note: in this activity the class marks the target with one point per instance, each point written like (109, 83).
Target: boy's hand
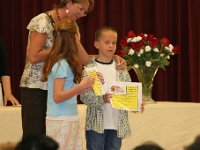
(142, 107)
(107, 97)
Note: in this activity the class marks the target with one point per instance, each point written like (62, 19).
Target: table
(10, 124)
(172, 125)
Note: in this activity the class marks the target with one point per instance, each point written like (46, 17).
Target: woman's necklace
(57, 14)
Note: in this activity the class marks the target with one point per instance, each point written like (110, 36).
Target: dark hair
(98, 33)
(148, 146)
(195, 145)
(37, 142)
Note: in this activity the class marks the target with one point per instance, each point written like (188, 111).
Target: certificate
(126, 95)
(92, 71)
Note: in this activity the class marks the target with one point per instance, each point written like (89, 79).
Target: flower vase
(146, 77)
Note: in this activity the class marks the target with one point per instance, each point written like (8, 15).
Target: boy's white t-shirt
(111, 115)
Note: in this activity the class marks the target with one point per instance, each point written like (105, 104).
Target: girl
(64, 70)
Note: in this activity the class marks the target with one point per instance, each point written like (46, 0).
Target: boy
(105, 126)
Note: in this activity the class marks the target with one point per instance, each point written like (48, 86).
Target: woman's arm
(85, 58)
(8, 96)
(36, 53)
(83, 55)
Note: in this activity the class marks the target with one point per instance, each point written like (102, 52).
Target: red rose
(137, 46)
(131, 34)
(176, 49)
(123, 42)
(133, 45)
(140, 44)
(164, 41)
(121, 52)
(153, 42)
(141, 35)
(150, 37)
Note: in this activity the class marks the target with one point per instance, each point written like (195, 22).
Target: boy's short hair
(102, 29)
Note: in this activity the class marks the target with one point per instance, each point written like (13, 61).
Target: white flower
(141, 51)
(129, 40)
(171, 47)
(138, 54)
(148, 63)
(168, 57)
(136, 65)
(136, 39)
(156, 50)
(147, 48)
(131, 52)
(162, 55)
(139, 38)
(167, 48)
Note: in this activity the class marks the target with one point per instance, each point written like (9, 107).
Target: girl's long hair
(64, 48)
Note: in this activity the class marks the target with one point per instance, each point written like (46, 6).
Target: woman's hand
(8, 96)
(11, 98)
(121, 63)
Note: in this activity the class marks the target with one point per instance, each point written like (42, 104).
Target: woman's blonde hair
(64, 48)
(91, 2)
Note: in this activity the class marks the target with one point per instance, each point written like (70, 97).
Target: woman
(40, 40)
(5, 78)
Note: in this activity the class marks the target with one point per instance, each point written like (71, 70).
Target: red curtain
(178, 20)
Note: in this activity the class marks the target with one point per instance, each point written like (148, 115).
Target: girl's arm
(36, 53)
(61, 95)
